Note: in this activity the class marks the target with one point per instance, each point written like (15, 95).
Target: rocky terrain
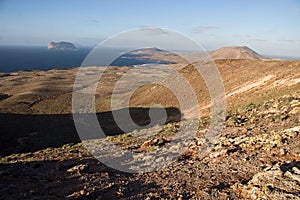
(256, 156)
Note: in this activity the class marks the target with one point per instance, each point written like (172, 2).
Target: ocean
(16, 58)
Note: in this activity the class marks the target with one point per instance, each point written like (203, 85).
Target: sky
(268, 27)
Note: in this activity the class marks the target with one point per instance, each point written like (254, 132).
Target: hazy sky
(269, 27)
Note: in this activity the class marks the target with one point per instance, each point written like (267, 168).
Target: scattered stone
(295, 103)
(82, 168)
(273, 184)
(295, 111)
(153, 142)
(252, 159)
(296, 170)
(282, 152)
(81, 192)
(293, 176)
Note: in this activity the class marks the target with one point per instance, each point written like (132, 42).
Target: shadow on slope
(27, 133)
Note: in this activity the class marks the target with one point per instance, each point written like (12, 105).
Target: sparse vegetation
(256, 156)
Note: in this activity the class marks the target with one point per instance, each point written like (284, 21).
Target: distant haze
(40, 58)
(269, 27)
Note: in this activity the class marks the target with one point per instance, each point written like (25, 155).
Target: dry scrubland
(256, 157)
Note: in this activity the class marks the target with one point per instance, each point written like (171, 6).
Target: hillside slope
(235, 52)
(245, 81)
(256, 157)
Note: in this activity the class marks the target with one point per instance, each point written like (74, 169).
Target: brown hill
(236, 52)
(245, 81)
(230, 52)
(257, 155)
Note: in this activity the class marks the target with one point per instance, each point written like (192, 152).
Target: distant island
(62, 46)
(229, 52)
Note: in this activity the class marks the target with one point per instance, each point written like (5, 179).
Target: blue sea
(16, 58)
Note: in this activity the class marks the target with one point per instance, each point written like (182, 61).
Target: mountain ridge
(227, 52)
(236, 52)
